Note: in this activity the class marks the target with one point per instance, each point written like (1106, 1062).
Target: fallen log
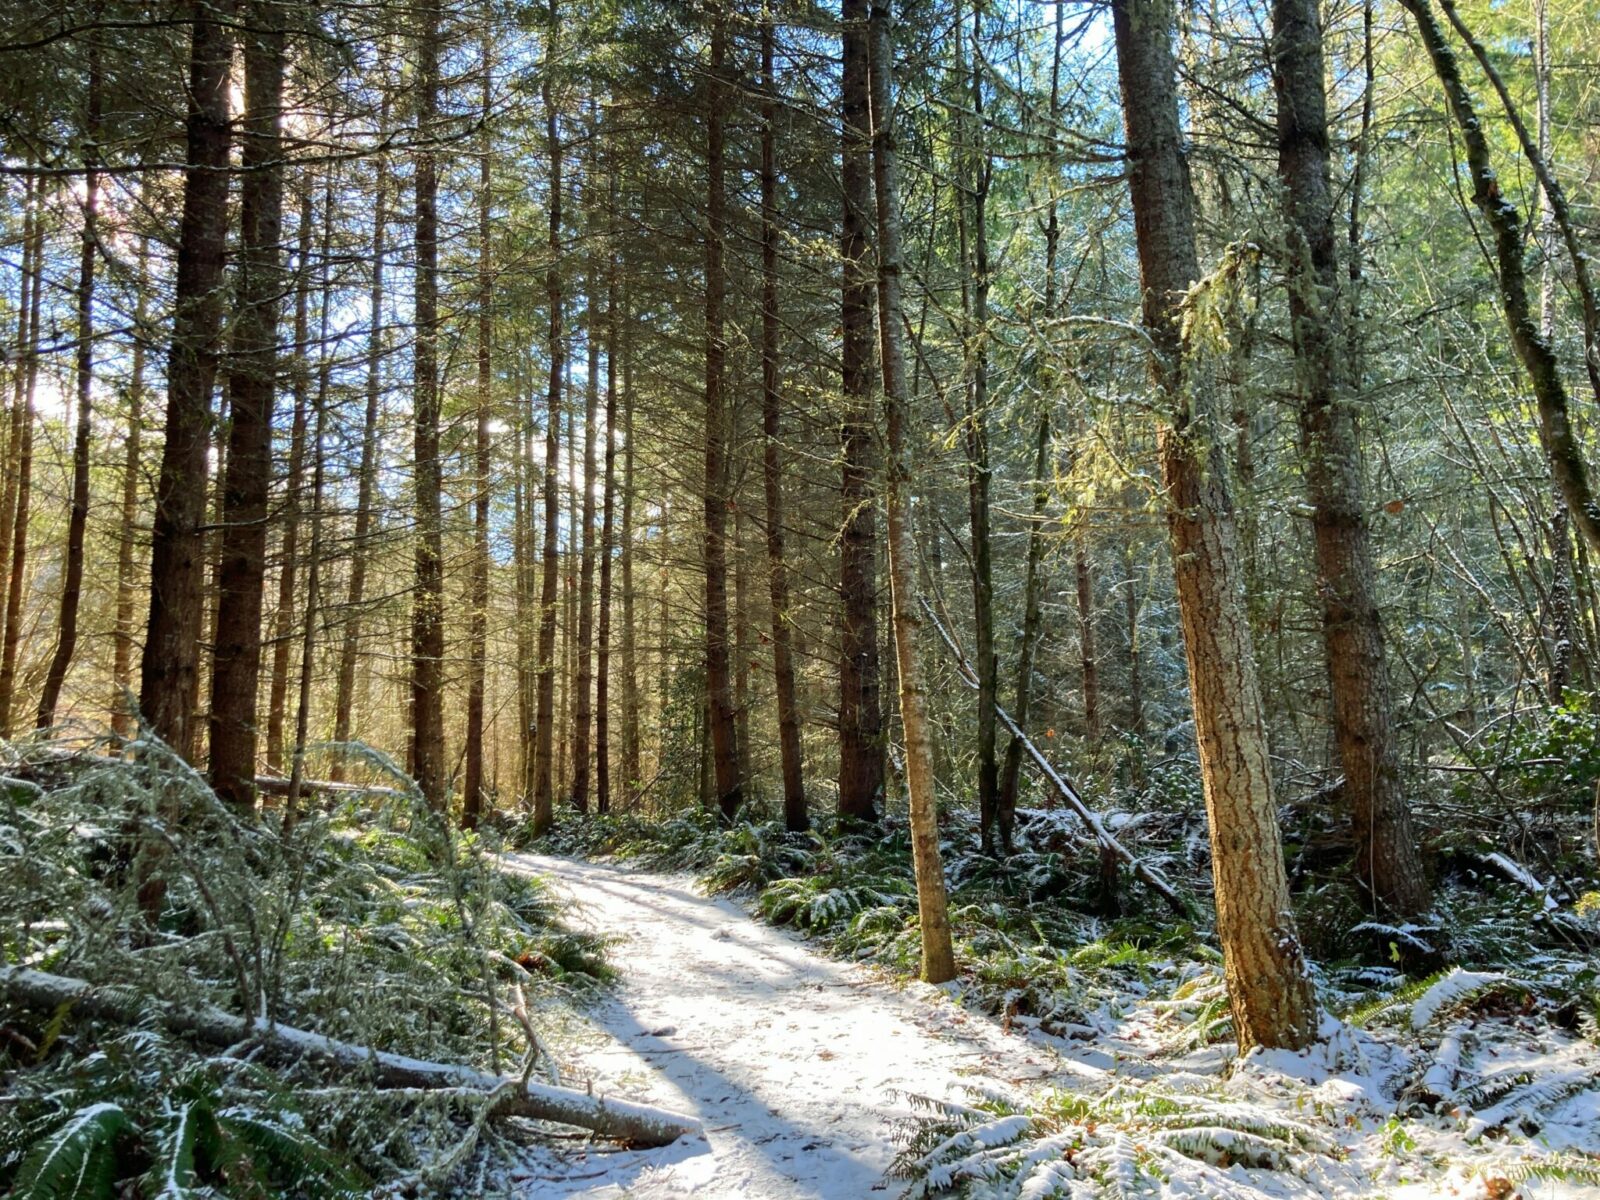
(1142, 871)
(635, 1124)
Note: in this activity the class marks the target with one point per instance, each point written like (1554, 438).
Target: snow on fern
(1449, 991)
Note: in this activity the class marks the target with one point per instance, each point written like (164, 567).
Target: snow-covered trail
(794, 1062)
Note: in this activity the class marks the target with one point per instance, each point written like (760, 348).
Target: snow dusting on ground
(798, 1064)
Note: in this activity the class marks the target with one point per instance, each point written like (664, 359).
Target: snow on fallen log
(637, 1124)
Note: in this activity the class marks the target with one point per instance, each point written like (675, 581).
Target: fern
(78, 1161)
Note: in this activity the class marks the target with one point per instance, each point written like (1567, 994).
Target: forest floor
(800, 1067)
(796, 1063)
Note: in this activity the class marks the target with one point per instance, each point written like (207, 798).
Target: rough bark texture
(636, 1124)
(632, 779)
(169, 669)
(583, 677)
(608, 520)
(15, 433)
(938, 953)
(1386, 852)
(795, 817)
(724, 747)
(252, 384)
(83, 371)
(555, 346)
(860, 710)
(427, 601)
(122, 652)
(1269, 991)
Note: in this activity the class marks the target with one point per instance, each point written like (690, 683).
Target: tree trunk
(169, 667)
(78, 518)
(608, 521)
(252, 383)
(795, 816)
(860, 711)
(1268, 988)
(938, 953)
(1386, 852)
(472, 803)
(122, 704)
(1032, 623)
(583, 676)
(724, 749)
(544, 790)
(632, 777)
(427, 611)
(288, 570)
(367, 482)
(19, 449)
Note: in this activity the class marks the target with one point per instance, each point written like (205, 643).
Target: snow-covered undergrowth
(369, 921)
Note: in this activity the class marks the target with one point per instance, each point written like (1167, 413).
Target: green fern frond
(78, 1160)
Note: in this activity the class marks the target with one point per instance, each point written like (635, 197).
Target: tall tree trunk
(569, 614)
(122, 705)
(288, 571)
(1358, 675)
(427, 611)
(724, 750)
(583, 676)
(522, 543)
(979, 472)
(938, 954)
(169, 667)
(1032, 623)
(252, 383)
(608, 522)
(1269, 990)
(78, 518)
(795, 816)
(26, 387)
(544, 790)
(860, 710)
(17, 414)
(632, 776)
(478, 632)
(367, 480)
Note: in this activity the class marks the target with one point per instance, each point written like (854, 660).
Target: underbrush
(371, 922)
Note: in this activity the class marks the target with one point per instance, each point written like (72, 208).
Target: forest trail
(796, 1063)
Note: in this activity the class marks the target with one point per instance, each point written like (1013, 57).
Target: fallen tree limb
(637, 1124)
(1142, 871)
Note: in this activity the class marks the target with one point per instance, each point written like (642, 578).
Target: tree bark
(724, 748)
(122, 706)
(427, 610)
(583, 676)
(473, 798)
(1032, 623)
(289, 553)
(252, 383)
(1269, 990)
(19, 449)
(795, 816)
(632, 777)
(608, 521)
(860, 710)
(544, 790)
(83, 371)
(938, 953)
(1387, 861)
(169, 668)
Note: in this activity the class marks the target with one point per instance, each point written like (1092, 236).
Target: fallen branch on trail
(1142, 871)
(636, 1124)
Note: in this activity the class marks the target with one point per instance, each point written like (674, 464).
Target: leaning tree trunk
(938, 953)
(724, 750)
(427, 606)
(1269, 990)
(860, 712)
(1536, 354)
(1386, 852)
(795, 817)
(252, 382)
(78, 518)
